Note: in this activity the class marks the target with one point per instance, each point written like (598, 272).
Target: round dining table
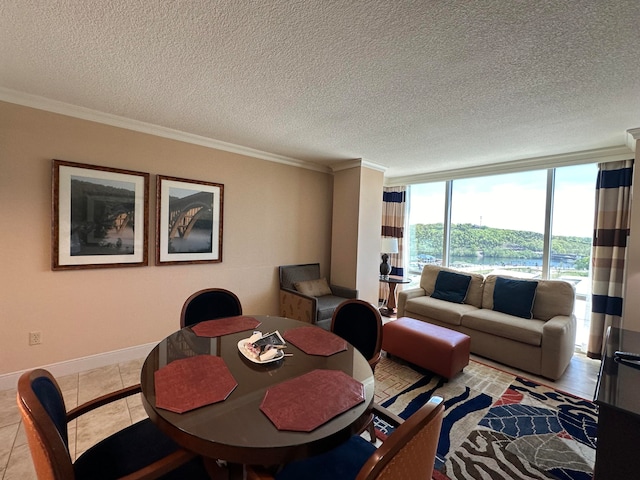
(236, 429)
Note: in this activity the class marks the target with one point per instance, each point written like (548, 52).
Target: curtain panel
(611, 231)
(394, 205)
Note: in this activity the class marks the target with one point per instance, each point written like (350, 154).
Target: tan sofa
(542, 345)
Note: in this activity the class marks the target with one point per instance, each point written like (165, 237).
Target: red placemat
(224, 326)
(315, 341)
(193, 382)
(304, 403)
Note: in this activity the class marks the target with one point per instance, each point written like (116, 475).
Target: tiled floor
(15, 460)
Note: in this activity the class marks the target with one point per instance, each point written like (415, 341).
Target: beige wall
(369, 232)
(344, 241)
(274, 214)
(357, 216)
(631, 316)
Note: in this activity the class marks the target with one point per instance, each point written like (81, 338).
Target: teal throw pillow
(514, 297)
(451, 286)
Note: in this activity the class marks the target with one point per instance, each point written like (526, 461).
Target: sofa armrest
(558, 345)
(295, 305)
(345, 292)
(405, 295)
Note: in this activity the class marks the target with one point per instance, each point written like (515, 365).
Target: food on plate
(263, 348)
(269, 354)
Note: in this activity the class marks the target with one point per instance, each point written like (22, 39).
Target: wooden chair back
(44, 417)
(209, 304)
(410, 451)
(360, 324)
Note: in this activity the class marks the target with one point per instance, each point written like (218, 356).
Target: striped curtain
(611, 230)
(394, 206)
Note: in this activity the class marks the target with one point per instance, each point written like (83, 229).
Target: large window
(535, 224)
(572, 233)
(497, 223)
(426, 219)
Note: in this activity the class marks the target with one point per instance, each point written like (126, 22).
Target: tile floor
(15, 460)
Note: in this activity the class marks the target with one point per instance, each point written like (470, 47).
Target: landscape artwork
(189, 226)
(100, 216)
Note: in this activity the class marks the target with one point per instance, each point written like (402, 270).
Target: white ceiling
(413, 86)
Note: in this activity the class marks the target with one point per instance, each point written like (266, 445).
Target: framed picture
(189, 221)
(99, 217)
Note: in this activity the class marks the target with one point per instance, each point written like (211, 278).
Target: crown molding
(600, 155)
(357, 162)
(633, 134)
(54, 106)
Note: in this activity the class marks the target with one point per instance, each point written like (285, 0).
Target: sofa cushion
(504, 325)
(313, 288)
(451, 286)
(553, 298)
(514, 297)
(430, 275)
(441, 310)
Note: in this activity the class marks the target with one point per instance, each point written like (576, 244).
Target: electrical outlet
(35, 338)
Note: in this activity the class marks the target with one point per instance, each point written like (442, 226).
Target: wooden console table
(618, 398)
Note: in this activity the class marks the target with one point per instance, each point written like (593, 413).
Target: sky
(514, 201)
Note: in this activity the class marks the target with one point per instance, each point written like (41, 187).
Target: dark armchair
(313, 300)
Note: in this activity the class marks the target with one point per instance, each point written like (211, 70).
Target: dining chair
(360, 324)
(209, 304)
(140, 450)
(408, 453)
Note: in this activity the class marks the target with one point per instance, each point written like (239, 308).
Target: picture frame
(189, 221)
(99, 217)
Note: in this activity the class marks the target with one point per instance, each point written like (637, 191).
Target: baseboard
(68, 367)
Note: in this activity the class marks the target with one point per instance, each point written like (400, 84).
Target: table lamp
(388, 245)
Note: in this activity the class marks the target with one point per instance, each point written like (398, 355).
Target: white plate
(248, 355)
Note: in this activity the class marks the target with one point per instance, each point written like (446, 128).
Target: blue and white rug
(497, 425)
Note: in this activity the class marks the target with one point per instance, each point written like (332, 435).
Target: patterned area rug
(497, 425)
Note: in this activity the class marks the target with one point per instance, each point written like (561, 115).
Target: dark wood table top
(236, 430)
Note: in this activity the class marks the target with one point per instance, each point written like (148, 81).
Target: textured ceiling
(413, 86)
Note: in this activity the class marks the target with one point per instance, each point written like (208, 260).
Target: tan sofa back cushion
(553, 297)
(474, 295)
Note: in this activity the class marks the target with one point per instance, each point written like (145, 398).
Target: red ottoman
(438, 349)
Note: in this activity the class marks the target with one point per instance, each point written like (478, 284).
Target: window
(498, 225)
(571, 239)
(426, 229)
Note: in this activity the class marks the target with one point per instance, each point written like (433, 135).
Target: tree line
(469, 240)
